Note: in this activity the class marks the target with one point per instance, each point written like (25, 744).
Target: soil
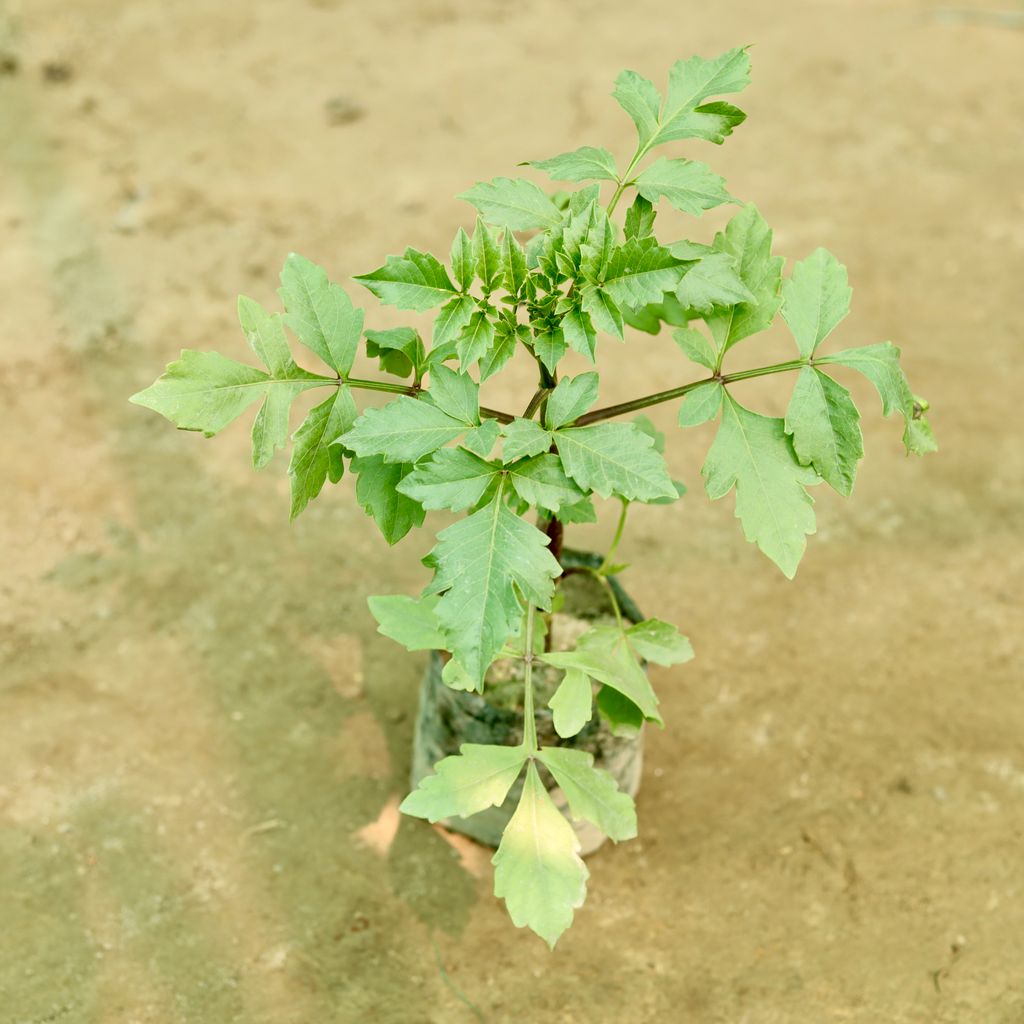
(202, 738)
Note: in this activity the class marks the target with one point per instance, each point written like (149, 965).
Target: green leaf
(376, 491)
(203, 391)
(265, 333)
(591, 792)
(541, 482)
(578, 512)
(475, 339)
(649, 318)
(815, 299)
(640, 218)
(688, 185)
(825, 427)
(320, 313)
(454, 676)
(524, 437)
(881, 365)
(571, 703)
(314, 459)
(748, 239)
(486, 255)
(581, 164)
(513, 202)
(480, 440)
(270, 428)
(462, 259)
(623, 716)
(409, 621)
(537, 869)
(571, 398)
(456, 394)
(712, 282)
(639, 98)
(578, 332)
(659, 642)
(451, 320)
(503, 348)
(695, 347)
(646, 426)
(549, 345)
(614, 458)
(692, 81)
(414, 281)
(605, 655)
(641, 271)
(403, 430)
(482, 561)
(513, 264)
(701, 404)
(754, 454)
(476, 778)
(453, 479)
(601, 308)
(400, 350)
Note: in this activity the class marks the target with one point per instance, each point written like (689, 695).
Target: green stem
(624, 181)
(603, 569)
(607, 584)
(538, 396)
(666, 396)
(529, 722)
(412, 390)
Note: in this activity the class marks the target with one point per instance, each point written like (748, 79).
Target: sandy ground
(202, 738)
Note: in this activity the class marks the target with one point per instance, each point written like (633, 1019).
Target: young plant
(541, 275)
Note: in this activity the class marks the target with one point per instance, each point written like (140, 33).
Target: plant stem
(603, 569)
(529, 722)
(624, 180)
(607, 584)
(412, 390)
(538, 396)
(666, 396)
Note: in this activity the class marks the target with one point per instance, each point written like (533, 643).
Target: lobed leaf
(591, 792)
(701, 404)
(408, 621)
(614, 458)
(416, 281)
(513, 202)
(453, 478)
(377, 492)
(688, 185)
(571, 398)
(403, 430)
(815, 299)
(581, 164)
(314, 458)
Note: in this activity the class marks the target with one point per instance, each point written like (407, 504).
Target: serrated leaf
(881, 365)
(502, 349)
(320, 313)
(476, 778)
(571, 398)
(416, 280)
(701, 404)
(692, 81)
(537, 869)
(475, 340)
(688, 185)
(513, 264)
(748, 239)
(659, 642)
(754, 454)
(640, 271)
(581, 164)
(578, 332)
(486, 255)
(605, 655)
(314, 458)
(549, 346)
(513, 202)
(456, 394)
(639, 97)
(695, 346)
(541, 482)
(451, 320)
(453, 478)
(571, 704)
(462, 260)
(712, 282)
(592, 793)
(603, 312)
(400, 350)
(481, 562)
(524, 437)
(639, 218)
(265, 333)
(825, 427)
(403, 430)
(376, 491)
(815, 299)
(408, 621)
(614, 458)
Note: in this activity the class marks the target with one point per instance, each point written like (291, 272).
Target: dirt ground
(202, 738)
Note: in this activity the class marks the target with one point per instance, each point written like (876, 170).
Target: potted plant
(534, 701)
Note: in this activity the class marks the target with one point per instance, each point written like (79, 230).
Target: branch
(666, 396)
(413, 390)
